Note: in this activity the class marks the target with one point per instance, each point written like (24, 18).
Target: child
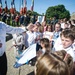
(66, 42)
(48, 33)
(50, 64)
(66, 58)
(30, 36)
(45, 44)
(19, 42)
(56, 33)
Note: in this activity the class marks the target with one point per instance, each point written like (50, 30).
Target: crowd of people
(57, 41)
(16, 19)
(55, 45)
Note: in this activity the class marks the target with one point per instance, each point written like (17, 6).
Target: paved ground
(24, 70)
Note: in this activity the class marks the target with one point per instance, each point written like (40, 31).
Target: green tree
(32, 13)
(59, 11)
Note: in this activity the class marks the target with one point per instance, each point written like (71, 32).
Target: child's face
(66, 42)
(57, 27)
(35, 28)
(49, 28)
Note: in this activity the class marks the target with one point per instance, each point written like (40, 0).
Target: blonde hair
(51, 64)
(41, 29)
(66, 58)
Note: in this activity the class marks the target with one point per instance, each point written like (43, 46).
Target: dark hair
(73, 30)
(46, 43)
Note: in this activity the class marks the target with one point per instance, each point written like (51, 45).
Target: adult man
(4, 28)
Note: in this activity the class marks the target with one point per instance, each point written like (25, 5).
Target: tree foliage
(59, 11)
(32, 12)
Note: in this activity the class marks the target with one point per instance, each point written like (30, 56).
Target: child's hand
(15, 45)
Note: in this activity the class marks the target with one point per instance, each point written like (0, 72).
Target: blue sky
(41, 6)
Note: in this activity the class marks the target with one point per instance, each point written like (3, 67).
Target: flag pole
(20, 5)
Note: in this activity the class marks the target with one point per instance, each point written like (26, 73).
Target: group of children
(55, 48)
(60, 61)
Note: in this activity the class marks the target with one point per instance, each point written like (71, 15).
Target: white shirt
(47, 34)
(58, 44)
(70, 50)
(62, 25)
(19, 40)
(38, 35)
(4, 28)
(74, 47)
(29, 38)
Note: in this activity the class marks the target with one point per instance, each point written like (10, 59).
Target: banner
(40, 19)
(26, 56)
(25, 8)
(21, 9)
(32, 5)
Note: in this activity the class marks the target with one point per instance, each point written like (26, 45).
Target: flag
(0, 3)
(32, 5)
(12, 3)
(21, 9)
(6, 8)
(12, 9)
(25, 3)
(0, 6)
(25, 8)
(6, 2)
(26, 56)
